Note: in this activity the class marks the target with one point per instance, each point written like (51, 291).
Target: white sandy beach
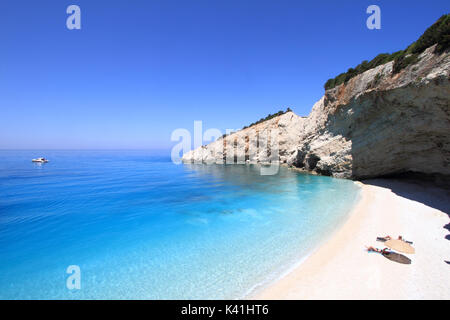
(343, 269)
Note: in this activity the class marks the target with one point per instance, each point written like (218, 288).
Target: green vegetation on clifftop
(438, 33)
(270, 116)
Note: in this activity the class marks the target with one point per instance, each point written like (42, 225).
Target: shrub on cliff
(270, 116)
(438, 33)
(403, 61)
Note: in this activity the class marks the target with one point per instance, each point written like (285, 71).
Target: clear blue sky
(137, 70)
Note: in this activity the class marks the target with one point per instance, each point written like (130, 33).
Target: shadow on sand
(421, 191)
(397, 257)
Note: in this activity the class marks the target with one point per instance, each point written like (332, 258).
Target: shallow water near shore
(141, 227)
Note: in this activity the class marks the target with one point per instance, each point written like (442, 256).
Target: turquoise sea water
(140, 227)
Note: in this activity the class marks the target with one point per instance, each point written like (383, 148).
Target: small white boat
(40, 160)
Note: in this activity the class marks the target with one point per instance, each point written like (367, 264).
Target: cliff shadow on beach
(423, 191)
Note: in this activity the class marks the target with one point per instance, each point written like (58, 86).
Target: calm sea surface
(141, 227)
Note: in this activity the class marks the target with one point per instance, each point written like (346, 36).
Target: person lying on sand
(388, 237)
(391, 255)
(372, 249)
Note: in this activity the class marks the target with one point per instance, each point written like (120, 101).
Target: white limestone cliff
(378, 123)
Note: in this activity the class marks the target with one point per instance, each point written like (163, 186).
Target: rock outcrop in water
(378, 123)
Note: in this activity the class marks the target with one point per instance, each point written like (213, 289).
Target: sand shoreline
(342, 269)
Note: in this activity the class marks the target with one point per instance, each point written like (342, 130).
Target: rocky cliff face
(378, 123)
(253, 144)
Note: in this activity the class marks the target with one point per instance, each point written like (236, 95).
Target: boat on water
(40, 160)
